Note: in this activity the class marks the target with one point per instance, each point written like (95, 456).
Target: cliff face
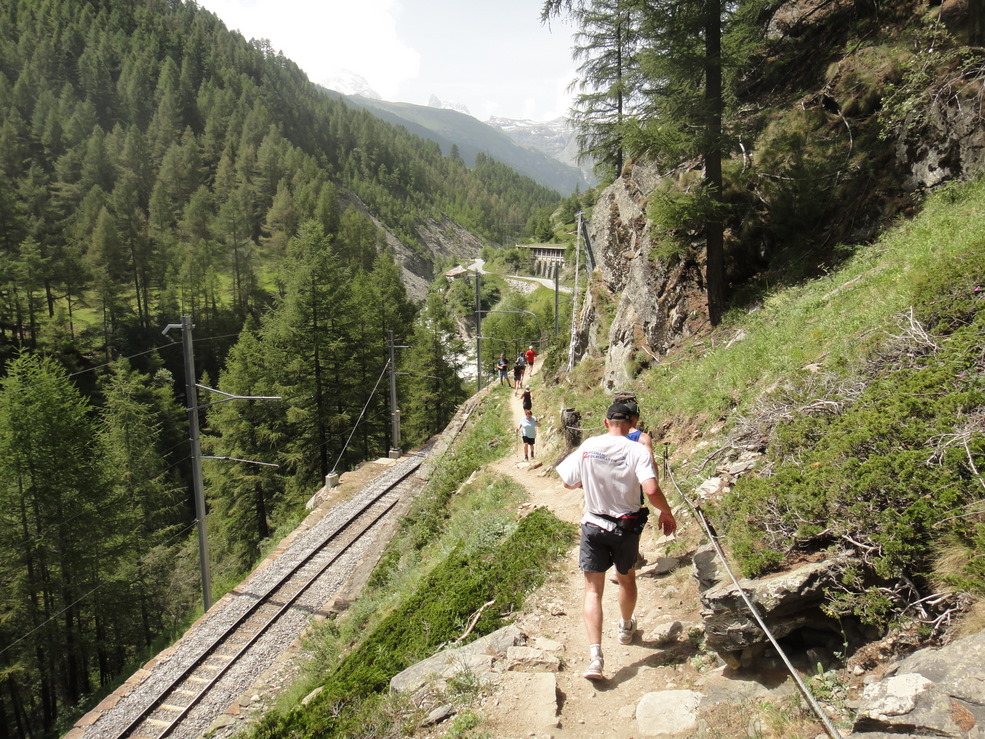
(652, 305)
(848, 180)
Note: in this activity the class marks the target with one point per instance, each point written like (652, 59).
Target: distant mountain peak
(348, 82)
(436, 102)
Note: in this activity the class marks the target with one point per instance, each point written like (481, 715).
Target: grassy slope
(461, 546)
(846, 338)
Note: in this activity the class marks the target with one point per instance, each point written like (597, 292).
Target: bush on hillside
(893, 469)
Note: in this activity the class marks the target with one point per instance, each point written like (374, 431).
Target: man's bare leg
(627, 593)
(592, 612)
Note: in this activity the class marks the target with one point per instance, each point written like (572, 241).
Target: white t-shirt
(610, 469)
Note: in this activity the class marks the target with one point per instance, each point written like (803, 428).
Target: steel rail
(262, 600)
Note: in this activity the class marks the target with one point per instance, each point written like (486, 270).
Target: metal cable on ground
(713, 538)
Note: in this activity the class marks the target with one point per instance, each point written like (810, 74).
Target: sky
(493, 56)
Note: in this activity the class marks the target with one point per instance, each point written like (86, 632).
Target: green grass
(831, 321)
(461, 546)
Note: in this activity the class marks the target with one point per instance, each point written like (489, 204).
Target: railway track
(238, 640)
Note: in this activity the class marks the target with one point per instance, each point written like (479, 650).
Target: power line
(356, 424)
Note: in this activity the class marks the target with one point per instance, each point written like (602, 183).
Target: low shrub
(434, 615)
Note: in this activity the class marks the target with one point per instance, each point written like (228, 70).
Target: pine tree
(607, 43)
(432, 389)
(55, 539)
(139, 423)
(680, 114)
(245, 496)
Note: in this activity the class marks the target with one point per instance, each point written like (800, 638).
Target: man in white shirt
(611, 468)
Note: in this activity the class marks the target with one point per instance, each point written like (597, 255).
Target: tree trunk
(976, 22)
(714, 227)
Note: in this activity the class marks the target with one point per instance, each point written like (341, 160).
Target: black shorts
(600, 549)
(528, 440)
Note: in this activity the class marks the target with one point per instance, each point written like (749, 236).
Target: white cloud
(495, 57)
(325, 37)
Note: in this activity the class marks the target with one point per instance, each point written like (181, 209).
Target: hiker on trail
(611, 468)
(518, 368)
(528, 430)
(530, 355)
(527, 399)
(502, 366)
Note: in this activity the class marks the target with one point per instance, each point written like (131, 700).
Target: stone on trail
(477, 657)
(933, 692)
(672, 713)
(528, 659)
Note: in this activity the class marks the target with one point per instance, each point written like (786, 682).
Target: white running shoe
(594, 669)
(627, 631)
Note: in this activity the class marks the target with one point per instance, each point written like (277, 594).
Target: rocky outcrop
(502, 658)
(789, 602)
(931, 693)
(652, 305)
(477, 657)
(950, 145)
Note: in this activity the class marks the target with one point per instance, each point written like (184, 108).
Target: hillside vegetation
(155, 165)
(864, 388)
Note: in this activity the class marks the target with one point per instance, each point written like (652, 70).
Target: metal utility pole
(394, 411)
(478, 333)
(198, 488)
(557, 274)
(574, 304)
(191, 398)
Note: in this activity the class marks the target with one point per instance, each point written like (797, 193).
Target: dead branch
(473, 620)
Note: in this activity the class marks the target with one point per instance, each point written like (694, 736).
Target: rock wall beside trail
(949, 145)
(651, 305)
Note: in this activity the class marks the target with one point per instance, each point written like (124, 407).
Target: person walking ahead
(530, 355)
(502, 366)
(518, 369)
(528, 430)
(611, 468)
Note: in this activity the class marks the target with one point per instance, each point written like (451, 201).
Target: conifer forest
(154, 165)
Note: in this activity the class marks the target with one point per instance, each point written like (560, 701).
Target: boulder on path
(788, 602)
(707, 567)
(672, 713)
(478, 657)
(931, 693)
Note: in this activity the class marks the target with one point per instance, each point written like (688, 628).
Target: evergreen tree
(55, 541)
(432, 388)
(680, 113)
(245, 496)
(607, 43)
(140, 423)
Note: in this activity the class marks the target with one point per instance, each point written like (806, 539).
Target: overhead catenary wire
(361, 414)
(713, 538)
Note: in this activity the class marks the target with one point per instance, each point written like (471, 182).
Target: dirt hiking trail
(553, 616)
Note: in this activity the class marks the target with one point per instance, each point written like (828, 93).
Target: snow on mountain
(436, 102)
(350, 83)
(556, 138)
